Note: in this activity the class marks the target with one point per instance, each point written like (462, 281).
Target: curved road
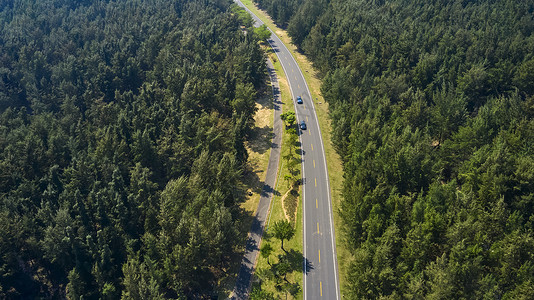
(242, 285)
(320, 263)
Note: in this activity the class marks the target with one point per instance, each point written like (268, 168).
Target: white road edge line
(301, 153)
(334, 253)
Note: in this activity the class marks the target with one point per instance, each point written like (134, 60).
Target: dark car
(303, 125)
(299, 100)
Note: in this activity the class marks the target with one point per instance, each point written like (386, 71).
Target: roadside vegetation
(123, 129)
(333, 160)
(431, 110)
(279, 271)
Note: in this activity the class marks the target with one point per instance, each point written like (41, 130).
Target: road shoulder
(248, 264)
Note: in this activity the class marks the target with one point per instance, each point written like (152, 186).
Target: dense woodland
(432, 106)
(122, 130)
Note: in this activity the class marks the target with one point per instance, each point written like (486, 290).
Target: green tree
(76, 286)
(525, 76)
(288, 178)
(263, 33)
(283, 230)
(138, 283)
(259, 294)
(266, 250)
(289, 118)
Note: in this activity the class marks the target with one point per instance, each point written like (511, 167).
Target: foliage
(431, 110)
(289, 118)
(277, 273)
(263, 33)
(280, 10)
(122, 131)
(265, 251)
(259, 294)
(283, 230)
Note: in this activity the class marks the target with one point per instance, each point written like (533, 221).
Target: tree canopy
(431, 105)
(122, 130)
(283, 230)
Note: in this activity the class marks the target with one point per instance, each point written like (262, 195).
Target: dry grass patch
(290, 203)
(277, 207)
(333, 160)
(259, 148)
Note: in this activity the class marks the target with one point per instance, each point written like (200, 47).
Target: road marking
(315, 182)
(318, 233)
(299, 86)
(306, 118)
(312, 146)
(309, 132)
(316, 203)
(321, 287)
(293, 70)
(296, 78)
(321, 149)
(319, 251)
(314, 163)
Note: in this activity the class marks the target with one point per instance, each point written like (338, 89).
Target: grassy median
(321, 108)
(277, 212)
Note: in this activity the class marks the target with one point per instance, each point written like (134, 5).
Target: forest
(432, 106)
(122, 131)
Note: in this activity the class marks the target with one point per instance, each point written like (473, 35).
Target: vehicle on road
(299, 100)
(303, 125)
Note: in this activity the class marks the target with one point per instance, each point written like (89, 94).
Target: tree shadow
(246, 219)
(308, 266)
(296, 261)
(262, 137)
(269, 189)
(265, 96)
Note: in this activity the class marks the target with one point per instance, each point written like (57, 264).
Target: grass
(259, 149)
(321, 109)
(277, 211)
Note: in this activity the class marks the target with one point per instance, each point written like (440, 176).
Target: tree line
(431, 104)
(122, 130)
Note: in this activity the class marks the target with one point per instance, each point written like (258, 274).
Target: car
(303, 125)
(299, 100)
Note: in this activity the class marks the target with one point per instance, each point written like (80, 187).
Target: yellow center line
(315, 182)
(309, 132)
(296, 78)
(312, 146)
(318, 232)
(319, 255)
(293, 70)
(321, 287)
(314, 163)
(299, 86)
(316, 203)
(306, 118)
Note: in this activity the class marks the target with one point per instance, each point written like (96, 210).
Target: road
(320, 260)
(242, 285)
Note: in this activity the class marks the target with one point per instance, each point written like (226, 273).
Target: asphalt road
(248, 264)
(320, 262)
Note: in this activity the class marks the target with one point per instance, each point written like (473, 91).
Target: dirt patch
(258, 148)
(290, 203)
